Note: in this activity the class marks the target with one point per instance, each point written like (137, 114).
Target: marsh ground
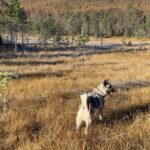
(44, 101)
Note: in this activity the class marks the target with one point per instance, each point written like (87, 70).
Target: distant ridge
(36, 7)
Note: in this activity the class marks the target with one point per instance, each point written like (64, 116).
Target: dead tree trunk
(16, 43)
(1, 41)
(45, 43)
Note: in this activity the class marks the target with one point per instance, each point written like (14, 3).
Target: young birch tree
(81, 40)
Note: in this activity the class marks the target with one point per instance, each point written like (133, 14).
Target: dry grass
(43, 103)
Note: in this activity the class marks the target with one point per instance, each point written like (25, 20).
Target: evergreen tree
(119, 27)
(94, 23)
(57, 36)
(103, 23)
(147, 24)
(140, 34)
(15, 17)
(71, 25)
(85, 24)
(132, 18)
(47, 28)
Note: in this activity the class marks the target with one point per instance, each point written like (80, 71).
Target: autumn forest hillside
(58, 18)
(35, 7)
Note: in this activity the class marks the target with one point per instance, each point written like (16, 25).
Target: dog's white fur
(83, 114)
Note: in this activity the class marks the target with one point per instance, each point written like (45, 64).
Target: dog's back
(95, 102)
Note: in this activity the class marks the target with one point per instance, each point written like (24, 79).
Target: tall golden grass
(43, 103)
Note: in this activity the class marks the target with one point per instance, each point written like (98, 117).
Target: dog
(92, 101)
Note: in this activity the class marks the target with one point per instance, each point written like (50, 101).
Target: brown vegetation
(43, 103)
(60, 6)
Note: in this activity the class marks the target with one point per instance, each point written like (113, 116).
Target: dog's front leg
(100, 114)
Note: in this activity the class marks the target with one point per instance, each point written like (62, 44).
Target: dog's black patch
(95, 101)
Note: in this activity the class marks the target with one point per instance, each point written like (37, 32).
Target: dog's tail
(89, 103)
(84, 99)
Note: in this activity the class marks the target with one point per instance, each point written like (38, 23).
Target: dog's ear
(105, 82)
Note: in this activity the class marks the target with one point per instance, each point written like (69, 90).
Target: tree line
(113, 22)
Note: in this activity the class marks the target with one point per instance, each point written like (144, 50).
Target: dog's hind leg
(86, 129)
(79, 119)
(88, 124)
(89, 119)
(78, 124)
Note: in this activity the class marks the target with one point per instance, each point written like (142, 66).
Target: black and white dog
(90, 102)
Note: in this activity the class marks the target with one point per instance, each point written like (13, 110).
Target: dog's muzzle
(111, 91)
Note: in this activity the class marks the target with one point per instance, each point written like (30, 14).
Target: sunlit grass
(43, 103)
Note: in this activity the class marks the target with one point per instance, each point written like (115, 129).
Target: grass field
(43, 103)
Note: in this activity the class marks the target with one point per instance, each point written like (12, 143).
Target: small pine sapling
(4, 78)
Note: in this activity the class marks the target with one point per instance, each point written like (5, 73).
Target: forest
(99, 18)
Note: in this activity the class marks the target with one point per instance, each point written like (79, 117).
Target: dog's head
(108, 87)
